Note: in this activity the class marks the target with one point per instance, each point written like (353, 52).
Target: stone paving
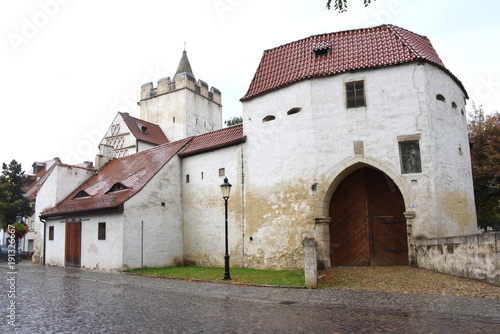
(70, 300)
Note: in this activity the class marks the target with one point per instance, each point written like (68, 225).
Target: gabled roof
(38, 174)
(213, 140)
(145, 131)
(334, 53)
(133, 172)
(38, 166)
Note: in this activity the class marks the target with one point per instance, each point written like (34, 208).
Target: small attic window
(322, 52)
(322, 47)
(293, 111)
(268, 118)
(81, 194)
(440, 97)
(117, 187)
(143, 128)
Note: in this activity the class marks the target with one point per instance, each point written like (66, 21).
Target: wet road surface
(70, 300)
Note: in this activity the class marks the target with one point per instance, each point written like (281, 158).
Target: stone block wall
(471, 256)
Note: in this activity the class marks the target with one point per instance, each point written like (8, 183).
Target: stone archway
(368, 227)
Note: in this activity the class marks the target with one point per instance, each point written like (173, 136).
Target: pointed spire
(184, 66)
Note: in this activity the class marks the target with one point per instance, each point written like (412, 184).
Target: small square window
(355, 94)
(222, 172)
(101, 233)
(51, 232)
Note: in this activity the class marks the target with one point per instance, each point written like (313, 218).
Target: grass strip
(239, 275)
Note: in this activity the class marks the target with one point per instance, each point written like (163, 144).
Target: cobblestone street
(69, 300)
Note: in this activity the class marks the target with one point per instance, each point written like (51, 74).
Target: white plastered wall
(151, 228)
(204, 217)
(293, 163)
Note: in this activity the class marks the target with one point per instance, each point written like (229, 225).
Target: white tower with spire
(183, 106)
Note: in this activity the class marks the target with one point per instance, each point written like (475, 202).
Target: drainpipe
(44, 238)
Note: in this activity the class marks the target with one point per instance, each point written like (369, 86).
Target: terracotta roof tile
(153, 133)
(214, 140)
(133, 171)
(375, 47)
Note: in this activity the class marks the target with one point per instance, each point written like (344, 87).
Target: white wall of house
(61, 182)
(161, 238)
(203, 206)
(286, 157)
(55, 248)
(449, 143)
(102, 254)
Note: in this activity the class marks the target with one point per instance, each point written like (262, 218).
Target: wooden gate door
(73, 244)
(368, 227)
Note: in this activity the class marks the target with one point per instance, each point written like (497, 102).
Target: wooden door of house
(368, 227)
(73, 244)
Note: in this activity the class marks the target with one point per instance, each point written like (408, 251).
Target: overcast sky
(68, 66)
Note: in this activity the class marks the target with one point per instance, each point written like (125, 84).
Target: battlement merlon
(180, 81)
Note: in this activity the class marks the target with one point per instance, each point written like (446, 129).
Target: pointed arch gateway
(367, 225)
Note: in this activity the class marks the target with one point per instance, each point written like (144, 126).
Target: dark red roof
(375, 47)
(214, 140)
(133, 172)
(153, 133)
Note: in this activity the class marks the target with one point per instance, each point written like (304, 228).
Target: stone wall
(472, 256)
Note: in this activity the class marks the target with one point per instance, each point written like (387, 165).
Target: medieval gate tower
(182, 107)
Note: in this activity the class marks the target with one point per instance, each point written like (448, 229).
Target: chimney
(105, 155)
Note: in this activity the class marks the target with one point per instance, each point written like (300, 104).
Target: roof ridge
(136, 119)
(161, 146)
(75, 166)
(327, 33)
(405, 41)
(218, 130)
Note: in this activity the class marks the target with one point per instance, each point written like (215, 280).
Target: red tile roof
(213, 140)
(133, 171)
(153, 133)
(375, 47)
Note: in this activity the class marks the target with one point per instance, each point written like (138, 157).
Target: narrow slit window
(268, 118)
(101, 231)
(293, 111)
(440, 97)
(51, 232)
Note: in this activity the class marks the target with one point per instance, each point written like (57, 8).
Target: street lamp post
(226, 189)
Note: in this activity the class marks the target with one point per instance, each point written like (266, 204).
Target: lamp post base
(227, 276)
